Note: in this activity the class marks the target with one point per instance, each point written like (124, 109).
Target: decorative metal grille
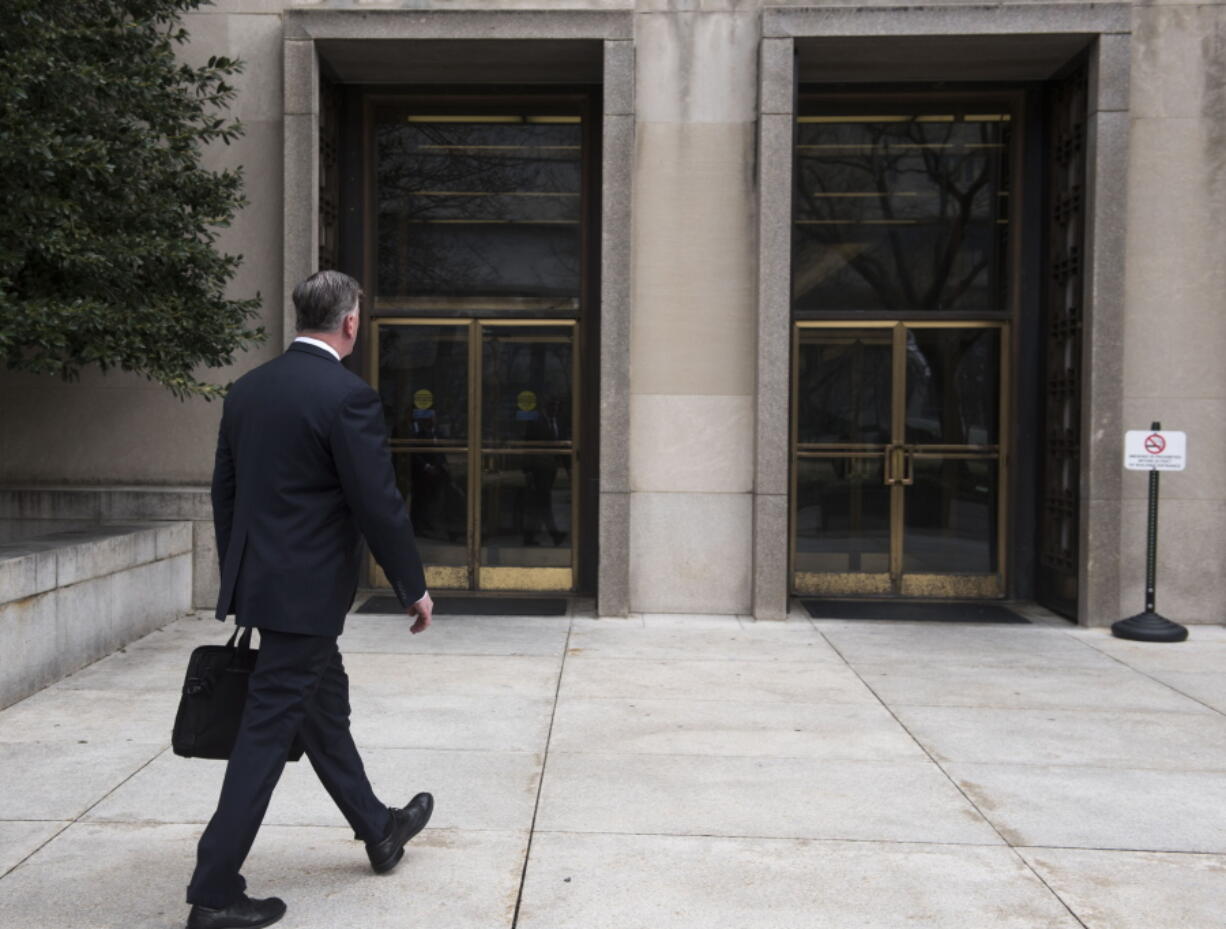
(1059, 518)
(329, 175)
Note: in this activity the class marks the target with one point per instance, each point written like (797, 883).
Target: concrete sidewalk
(661, 772)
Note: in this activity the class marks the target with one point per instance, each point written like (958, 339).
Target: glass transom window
(900, 212)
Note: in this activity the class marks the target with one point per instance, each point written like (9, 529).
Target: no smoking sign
(1147, 450)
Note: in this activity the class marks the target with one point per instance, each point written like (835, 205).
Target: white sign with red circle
(1146, 450)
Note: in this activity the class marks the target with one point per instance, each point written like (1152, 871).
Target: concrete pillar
(693, 342)
(1175, 326)
(617, 161)
(776, 150)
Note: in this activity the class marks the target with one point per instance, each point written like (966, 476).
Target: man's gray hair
(323, 299)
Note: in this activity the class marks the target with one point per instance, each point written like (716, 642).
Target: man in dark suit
(303, 472)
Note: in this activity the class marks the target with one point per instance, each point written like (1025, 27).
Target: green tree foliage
(108, 220)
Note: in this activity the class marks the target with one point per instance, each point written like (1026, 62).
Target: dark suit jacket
(303, 471)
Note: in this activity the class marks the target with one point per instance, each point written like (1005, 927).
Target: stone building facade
(700, 306)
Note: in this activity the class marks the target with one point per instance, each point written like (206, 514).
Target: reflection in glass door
(898, 456)
(478, 215)
(422, 376)
(527, 394)
(481, 418)
(902, 208)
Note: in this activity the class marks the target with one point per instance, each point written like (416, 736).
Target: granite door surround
(584, 44)
(956, 42)
(1008, 42)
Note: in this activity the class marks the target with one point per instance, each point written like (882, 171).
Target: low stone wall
(71, 507)
(69, 598)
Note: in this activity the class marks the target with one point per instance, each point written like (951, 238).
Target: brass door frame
(898, 458)
(474, 575)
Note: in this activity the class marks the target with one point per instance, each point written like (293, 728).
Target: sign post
(1152, 451)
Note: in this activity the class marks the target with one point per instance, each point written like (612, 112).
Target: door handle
(899, 466)
(908, 466)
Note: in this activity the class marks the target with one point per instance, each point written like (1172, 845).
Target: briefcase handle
(244, 643)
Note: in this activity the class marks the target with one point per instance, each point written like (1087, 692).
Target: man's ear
(351, 325)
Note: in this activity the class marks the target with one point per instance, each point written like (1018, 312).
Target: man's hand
(423, 609)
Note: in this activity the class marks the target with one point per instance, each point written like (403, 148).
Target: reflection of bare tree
(478, 209)
(951, 385)
(905, 205)
(845, 388)
(952, 377)
(516, 360)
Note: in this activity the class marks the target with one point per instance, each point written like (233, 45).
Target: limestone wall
(120, 429)
(694, 297)
(1175, 325)
(693, 343)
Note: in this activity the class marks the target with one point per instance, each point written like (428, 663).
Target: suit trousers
(298, 684)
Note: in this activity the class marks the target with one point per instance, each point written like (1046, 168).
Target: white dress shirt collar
(318, 344)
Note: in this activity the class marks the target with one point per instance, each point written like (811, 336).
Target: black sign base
(1149, 627)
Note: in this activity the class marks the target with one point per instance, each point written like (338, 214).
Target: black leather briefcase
(214, 693)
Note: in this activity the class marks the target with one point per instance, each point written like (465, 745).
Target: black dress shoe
(406, 823)
(243, 913)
